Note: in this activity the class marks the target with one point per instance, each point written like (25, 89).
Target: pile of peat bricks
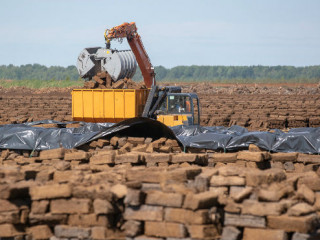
(148, 189)
(103, 80)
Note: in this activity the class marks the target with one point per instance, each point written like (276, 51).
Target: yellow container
(107, 105)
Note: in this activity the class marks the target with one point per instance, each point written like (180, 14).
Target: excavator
(165, 104)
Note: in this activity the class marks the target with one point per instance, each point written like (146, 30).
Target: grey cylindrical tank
(119, 64)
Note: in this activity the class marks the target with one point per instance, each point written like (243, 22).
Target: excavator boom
(129, 31)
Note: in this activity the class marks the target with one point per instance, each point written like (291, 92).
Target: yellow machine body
(116, 105)
(107, 105)
(172, 120)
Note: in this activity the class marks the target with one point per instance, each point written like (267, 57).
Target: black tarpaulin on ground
(26, 137)
(304, 140)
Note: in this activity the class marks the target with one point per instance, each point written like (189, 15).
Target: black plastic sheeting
(303, 140)
(26, 137)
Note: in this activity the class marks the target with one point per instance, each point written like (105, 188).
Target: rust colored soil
(255, 106)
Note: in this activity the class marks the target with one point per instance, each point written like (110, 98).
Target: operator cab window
(178, 104)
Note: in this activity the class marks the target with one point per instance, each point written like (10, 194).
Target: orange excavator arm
(129, 31)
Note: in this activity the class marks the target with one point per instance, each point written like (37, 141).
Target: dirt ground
(135, 188)
(255, 106)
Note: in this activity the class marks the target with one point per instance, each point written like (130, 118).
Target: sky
(174, 32)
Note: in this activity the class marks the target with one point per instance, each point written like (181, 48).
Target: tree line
(179, 73)
(38, 72)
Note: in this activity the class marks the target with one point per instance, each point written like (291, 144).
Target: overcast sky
(186, 32)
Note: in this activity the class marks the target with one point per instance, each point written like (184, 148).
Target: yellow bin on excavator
(107, 105)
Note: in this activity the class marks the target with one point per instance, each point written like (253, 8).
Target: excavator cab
(179, 109)
(171, 107)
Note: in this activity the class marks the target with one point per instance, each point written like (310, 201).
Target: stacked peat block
(133, 151)
(255, 157)
(297, 121)
(257, 111)
(165, 204)
(226, 203)
(53, 196)
(34, 108)
(314, 122)
(269, 204)
(103, 80)
(105, 193)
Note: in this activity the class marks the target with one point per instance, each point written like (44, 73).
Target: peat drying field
(129, 187)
